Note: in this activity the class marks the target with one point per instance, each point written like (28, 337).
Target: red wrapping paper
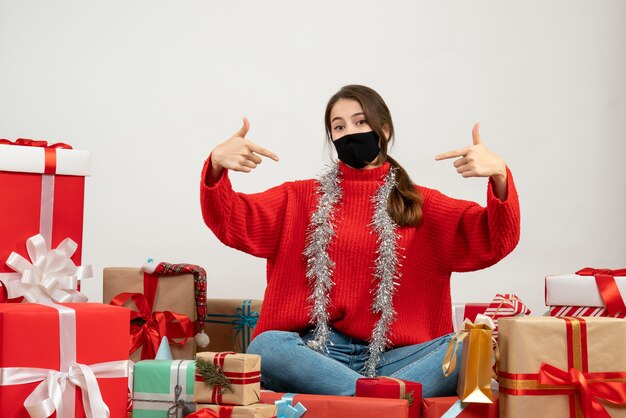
(326, 406)
(384, 387)
(20, 202)
(29, 337)
(436, 407)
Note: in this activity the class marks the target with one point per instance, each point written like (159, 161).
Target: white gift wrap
(25, 159)
(575, 290)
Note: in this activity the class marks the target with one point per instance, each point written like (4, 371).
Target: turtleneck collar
(355, 174)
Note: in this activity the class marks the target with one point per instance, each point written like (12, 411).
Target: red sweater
(455, 235)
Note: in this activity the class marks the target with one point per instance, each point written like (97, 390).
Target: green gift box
(163, 388)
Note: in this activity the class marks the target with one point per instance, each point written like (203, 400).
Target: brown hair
(405, 202)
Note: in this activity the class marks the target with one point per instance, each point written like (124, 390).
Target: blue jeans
(289, 365)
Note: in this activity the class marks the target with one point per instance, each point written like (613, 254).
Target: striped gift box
(505, 305)
(588, 311)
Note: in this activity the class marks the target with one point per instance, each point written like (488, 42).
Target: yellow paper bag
(476, 364)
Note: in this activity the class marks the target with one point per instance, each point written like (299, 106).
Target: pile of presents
(157, 347)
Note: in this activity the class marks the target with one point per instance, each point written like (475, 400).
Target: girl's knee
(269, 341)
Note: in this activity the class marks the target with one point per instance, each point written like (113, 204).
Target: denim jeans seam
(395, 360)
(419, 361)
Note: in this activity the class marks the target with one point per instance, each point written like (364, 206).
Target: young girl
(359, 260)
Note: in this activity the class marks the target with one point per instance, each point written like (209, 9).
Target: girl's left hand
(476, 160)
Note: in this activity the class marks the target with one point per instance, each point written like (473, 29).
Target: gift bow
(57, 388)
(180, 404)
(481, 322)
(50, 277)
(155, 325)
(589, 390)
(286, 409)
(609, 291)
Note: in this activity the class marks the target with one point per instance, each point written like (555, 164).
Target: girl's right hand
(238, 154)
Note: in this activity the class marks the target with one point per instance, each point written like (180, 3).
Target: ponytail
(405, 202)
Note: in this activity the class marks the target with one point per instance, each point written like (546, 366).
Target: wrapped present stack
(52, 358)
(588, 292)
(502, 306)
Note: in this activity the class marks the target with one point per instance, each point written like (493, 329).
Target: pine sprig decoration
(409, 397)
(212, 375)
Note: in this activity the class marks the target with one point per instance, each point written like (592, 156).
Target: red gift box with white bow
(41, 192)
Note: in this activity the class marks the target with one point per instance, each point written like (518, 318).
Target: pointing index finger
(461, 152)
(262, 151)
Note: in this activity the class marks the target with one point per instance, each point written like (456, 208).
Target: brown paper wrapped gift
(174, 293)
(477, 358)
(562, 367)
(227, 378)
(255, 410)
(230, 323)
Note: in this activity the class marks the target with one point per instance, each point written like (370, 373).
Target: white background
(150, 87)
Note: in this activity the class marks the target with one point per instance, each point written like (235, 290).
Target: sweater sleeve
(248, 222)
(472, 237)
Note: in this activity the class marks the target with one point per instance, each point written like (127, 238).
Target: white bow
(48, 395)
(50, 276)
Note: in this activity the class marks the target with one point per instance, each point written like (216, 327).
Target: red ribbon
(223, 412)
(590, 391)
(607, 286)
(50, 165)
(155, 325)
(204, 413)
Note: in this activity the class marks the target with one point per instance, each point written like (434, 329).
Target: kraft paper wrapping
(174, 293)
(527, 342)
(257, 410)
(230, 323)
(242, 370)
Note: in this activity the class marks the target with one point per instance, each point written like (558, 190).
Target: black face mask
(358, 150)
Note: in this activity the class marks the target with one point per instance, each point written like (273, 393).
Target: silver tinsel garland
(320, 266)
(385, 272)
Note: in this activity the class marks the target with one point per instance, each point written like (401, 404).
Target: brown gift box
(590, 345)
(243, 371)
(256, 410)
(175, 293)
(230, 323)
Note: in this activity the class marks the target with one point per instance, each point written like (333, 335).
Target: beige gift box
(243, 372)
(590, 345)
(230, 323)
(256, 410)
(175, 293)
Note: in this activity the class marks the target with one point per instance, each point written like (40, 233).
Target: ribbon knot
(179, 404)
(50, 276)
(245, 320)
(286, 409)
(148, 328)
(589, 390)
